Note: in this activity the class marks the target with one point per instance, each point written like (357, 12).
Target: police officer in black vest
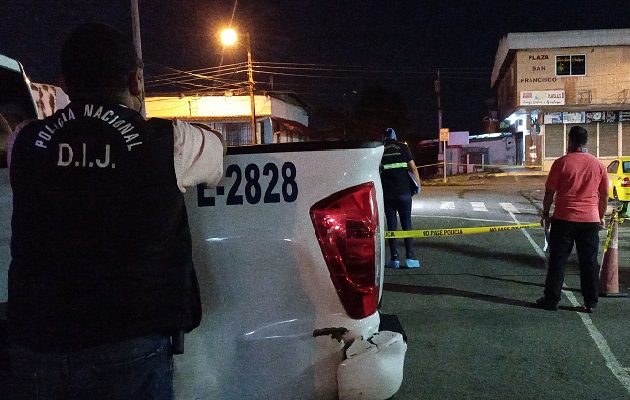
(400, 182)
(101, 276)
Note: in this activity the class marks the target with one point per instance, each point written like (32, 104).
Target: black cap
(97, 56)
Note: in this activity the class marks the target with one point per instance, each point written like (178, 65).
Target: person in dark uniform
(397, 170)
(101, 276)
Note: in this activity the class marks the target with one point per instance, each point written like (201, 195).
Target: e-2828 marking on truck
(280, 186)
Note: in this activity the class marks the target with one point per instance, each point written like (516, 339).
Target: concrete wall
(606, 79)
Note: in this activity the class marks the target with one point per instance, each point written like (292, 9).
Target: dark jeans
(136, 369)
(585, 235)
(394, 207)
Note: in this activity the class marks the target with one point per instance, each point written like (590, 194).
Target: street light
(229, 37)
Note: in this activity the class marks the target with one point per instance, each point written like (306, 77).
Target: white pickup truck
(289, 252)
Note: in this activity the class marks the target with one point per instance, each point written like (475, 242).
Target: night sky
(329, 53)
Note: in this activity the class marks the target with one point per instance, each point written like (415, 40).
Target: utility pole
(250, 81)
(441, 144)
(230, 37)
(437, 90)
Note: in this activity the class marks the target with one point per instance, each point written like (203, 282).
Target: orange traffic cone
(609, 274)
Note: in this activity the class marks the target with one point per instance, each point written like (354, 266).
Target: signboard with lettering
(594, 116)
(587, 117)
(552, 118)
(611, 116)
(444, 134)
(536, 67)
(573, 117)
(542, 97)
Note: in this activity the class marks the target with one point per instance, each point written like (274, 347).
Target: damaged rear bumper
(373, 367)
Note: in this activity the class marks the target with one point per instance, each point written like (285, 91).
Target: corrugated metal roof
(242, 118)
(545, 40)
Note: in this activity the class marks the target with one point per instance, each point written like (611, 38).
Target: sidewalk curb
(479, 178)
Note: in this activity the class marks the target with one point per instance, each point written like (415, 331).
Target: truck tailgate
(264, 283)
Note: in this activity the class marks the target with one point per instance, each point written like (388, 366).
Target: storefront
(547, 82)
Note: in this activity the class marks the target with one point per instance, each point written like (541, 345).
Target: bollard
(609, 274)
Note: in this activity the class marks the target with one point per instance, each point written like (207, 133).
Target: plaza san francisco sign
(542, 97)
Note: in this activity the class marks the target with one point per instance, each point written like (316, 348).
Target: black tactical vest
(101, 248)
(394, 176)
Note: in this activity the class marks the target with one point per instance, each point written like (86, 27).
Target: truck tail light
(346, 224)
(625, 182)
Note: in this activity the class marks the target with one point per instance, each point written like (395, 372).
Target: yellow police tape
(423, 233)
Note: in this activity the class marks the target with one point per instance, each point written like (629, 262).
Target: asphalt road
(473, 331)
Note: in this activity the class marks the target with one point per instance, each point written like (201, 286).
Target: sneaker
(546, 304)
(411, 263)
(588, 308)
(393, 264)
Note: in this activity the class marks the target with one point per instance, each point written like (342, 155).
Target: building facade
(547, 82)
(278, 119)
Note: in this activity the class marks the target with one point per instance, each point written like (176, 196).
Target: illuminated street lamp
(229, 37)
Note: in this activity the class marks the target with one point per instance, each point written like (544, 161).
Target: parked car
(619, 179)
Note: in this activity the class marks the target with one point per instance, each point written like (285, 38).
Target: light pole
(229, 37)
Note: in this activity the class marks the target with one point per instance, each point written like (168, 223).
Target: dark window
(578, 64)
(626, 167)
(554, 141)
(233, 134)
(608, 140)
(571, 64)
(612, 167)
(625, 139)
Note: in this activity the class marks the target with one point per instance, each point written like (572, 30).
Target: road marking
(416, 205)
(612, 363)
(447, 205)
(432, 216)
(478, 206)
(509, 207)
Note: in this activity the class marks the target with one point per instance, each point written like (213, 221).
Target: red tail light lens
(346, 224)
(625, 182)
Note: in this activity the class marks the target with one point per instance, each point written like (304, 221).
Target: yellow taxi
(619, 179)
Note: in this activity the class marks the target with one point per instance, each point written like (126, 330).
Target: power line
(303, 79)
(319, 71)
